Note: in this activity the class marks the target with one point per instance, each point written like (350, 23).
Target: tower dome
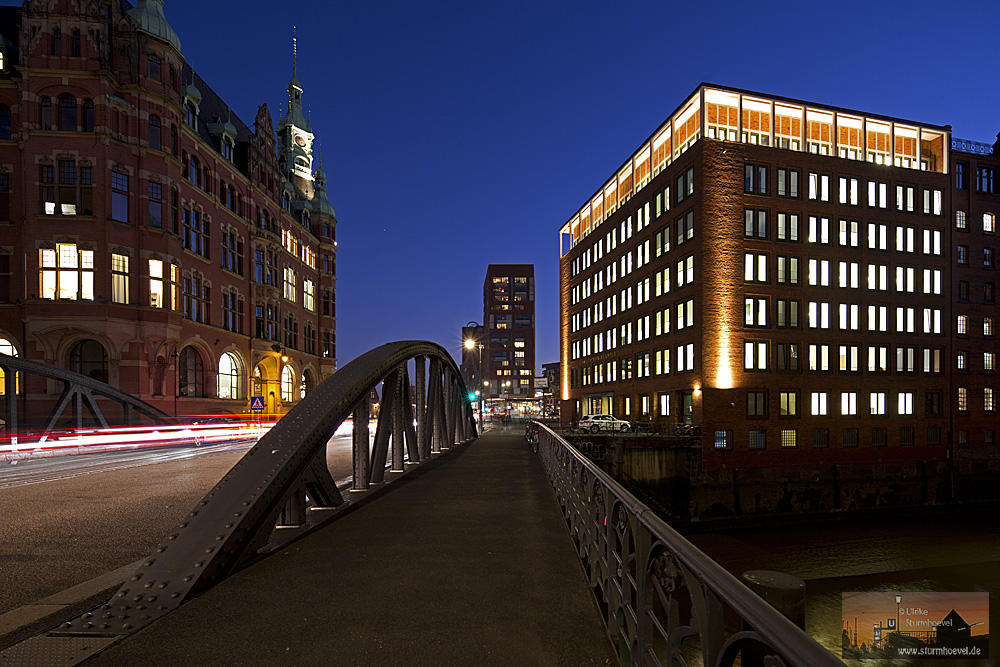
(148, 16)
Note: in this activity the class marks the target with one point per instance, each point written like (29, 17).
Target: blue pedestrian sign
(257, 403)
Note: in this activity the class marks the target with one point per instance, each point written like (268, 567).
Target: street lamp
(471, 344)
(899, 598)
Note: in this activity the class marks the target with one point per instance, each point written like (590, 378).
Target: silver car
(595, 423)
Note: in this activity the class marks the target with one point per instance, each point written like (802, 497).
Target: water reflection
(939, 551)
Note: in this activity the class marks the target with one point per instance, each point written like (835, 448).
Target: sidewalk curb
(23, 622)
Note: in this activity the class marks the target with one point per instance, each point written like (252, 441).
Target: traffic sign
(257, 403)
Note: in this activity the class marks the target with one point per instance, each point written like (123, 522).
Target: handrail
(639, 567)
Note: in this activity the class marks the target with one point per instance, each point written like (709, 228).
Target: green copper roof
(148, 15)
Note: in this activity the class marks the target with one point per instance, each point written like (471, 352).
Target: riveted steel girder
(273, 482)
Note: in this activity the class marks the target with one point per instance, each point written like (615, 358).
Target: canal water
(944, 551)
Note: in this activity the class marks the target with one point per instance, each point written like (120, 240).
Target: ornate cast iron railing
(78, 392)
(284, 479)
(665, 602)
(970, 146)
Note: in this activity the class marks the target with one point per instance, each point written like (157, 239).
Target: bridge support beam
(361, 457)
(397, 421)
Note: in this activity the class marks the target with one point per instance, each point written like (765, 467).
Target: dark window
(961, 175)
(879, 436)
(76, 43)
(756, 404)
(755, 223)
(788, 182)
(5, 125)
(232, 313)
(933, 404)
(56, 42)
(154, 68)
(155, 205)
(47, 114)
(190, 374)
(933, 435)
(67, 113)
(232, 252)
(986, 179)
(821, 437)
(88, 115)
(850, 437)
(119, 196)
(906, 435)
(89, 358)
(5, 197)
(155, 141)
(788, 356)
(963, 290)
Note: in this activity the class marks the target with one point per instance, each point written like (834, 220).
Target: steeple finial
(295, 51)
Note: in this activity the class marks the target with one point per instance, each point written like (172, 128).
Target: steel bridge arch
(285, 473)
(78, 391)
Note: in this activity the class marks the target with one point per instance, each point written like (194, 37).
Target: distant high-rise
(509, 330)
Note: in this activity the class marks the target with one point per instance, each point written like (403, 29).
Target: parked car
(595, 423)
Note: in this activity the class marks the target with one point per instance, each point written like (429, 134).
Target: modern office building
(509, 331)
(150, 238)
(808, 284)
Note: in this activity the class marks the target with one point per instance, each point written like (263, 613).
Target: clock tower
(295, 140)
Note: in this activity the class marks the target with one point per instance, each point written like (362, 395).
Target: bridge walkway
(466, 562)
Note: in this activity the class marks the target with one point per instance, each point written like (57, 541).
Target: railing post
(361, 456)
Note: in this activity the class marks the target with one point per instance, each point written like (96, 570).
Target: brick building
(148, 236)
(509, 331)
(808, 284)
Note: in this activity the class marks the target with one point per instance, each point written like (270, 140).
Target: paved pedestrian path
(466, 562)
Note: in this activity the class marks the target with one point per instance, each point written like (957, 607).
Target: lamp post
(899, 598)
(471, 344)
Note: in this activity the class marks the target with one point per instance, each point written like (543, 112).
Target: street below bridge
(68, 519)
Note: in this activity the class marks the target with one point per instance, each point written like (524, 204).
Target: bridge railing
(665, 601)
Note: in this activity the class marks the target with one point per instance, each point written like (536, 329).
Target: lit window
(66, 272)
(960, 220)
(989, 223)
(819, 400)
(119, 278)
(789, 437)
(229, 376)
(309, 296)
(877, 403)
(288, 385)
(963, 399)
(849, 403)
(290, 283)
(905, 406)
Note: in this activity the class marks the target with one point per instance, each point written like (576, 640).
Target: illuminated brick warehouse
(810, 285)
(149, 238)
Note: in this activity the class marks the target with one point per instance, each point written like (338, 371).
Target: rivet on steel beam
(109, 615)
(199, 563)
(176, 595)
(151, 598)
(187, 578)
(137, 598)
(69, 623)
(89, 625)
(149, 563)
(162, 607)
(105, 625)
(146, 617)
(209, 550)
(163, 585)
(127, 626)
(136, 577)
(172, 537)
(160, 550)
(88, 615)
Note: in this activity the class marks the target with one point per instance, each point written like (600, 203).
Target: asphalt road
(69, 519)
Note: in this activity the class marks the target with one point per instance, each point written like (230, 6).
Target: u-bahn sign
(257, 403)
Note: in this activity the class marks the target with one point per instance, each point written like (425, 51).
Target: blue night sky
(458, 134)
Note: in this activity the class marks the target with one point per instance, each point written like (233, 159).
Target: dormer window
(286, 202)
(305, 218)
(227, 148)
(191, 115)
(3, 59)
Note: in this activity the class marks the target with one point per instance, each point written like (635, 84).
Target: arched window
(288, 388)
(155, 141)
(46, 113)
(89, 358)
(88, 115)
(229, 376)
(306, 385)
(5, 126)
(67, 113)
(7, 347)
(190, 374)
(194, 171)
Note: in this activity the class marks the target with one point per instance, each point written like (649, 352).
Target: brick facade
(149, 237)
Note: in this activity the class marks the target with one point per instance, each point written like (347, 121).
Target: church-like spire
(295, 136)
